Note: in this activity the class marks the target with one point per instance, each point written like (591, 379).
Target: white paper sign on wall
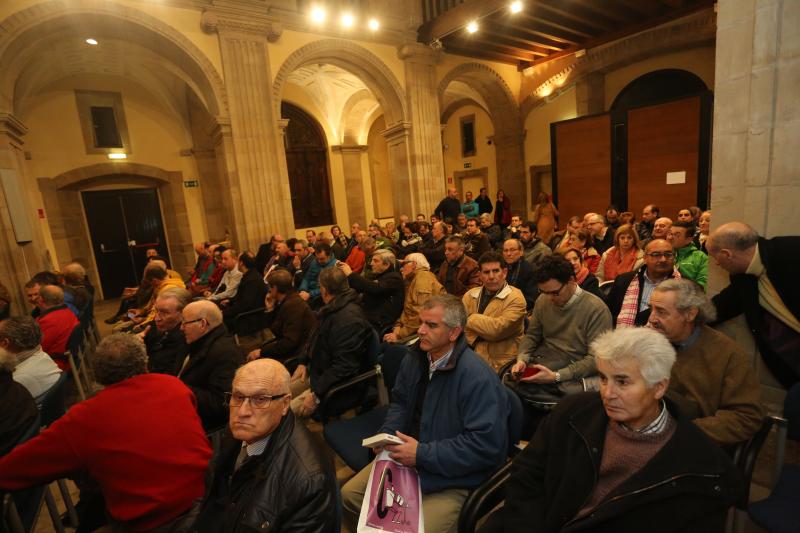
(674, 178)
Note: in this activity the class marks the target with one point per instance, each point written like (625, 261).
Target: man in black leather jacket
(269, 473)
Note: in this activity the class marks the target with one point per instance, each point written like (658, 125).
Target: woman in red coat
(502, 209)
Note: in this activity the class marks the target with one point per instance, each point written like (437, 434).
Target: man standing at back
(454, 437)
(484, 202)
(764, 287)
(449, 208)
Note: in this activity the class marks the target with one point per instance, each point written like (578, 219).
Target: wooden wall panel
(583, 166)
(663, 138)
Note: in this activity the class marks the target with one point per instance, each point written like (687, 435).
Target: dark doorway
(307, 162)
(123, 224)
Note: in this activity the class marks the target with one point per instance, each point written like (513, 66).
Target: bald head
(269, 373)
(51, 296)
(661, 228)
(205, 310)
(733, 246)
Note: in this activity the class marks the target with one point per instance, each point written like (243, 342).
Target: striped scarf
(630, 302)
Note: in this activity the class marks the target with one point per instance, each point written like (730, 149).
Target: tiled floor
(343, 472)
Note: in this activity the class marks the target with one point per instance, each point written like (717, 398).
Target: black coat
(687, 486)
(484, 204)
(617, 294)
(337, 350)
(213, 359)
(291, 322)
(290, 487)
(520, 275)
(448, 208)
(18, 414)
(165, 351)
(779, 257)
(382, 297)
(250, 295)
(592, 284)
(433, 252)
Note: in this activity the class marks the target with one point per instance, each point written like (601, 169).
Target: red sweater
(57, 325)
(141, 440)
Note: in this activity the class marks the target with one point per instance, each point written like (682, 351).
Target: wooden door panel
(663, 138)
(583, 165)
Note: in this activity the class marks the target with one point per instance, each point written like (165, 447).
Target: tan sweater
(714, 380)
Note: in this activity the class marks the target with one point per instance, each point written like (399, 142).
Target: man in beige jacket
(495, 313)
(421, 284)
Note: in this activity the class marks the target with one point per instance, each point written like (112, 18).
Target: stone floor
(104, 309)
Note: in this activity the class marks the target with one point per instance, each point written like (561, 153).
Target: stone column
(398, 146)
(426, 167)
(756, 126)
(352, 163)
(18, 260)
(510, 156)
(590, 94)
(259, 191)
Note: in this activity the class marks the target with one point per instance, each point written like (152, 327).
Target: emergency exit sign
(191, 184)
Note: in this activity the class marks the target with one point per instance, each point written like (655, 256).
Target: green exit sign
(467, 165)
(191, 184)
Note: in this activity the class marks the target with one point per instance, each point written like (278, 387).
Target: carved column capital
(283, 123)
(13, 128)
(396, 131)
(213, 22)
(418, 52)
(349, 148)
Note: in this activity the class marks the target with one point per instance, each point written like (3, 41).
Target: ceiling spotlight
(374, 24)
(117, 156)
(347, 20)
(516, 7)
(472, 27)
(318, 15)
(91, 41)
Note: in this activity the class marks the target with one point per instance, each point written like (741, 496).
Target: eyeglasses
(659, 255)
(187, 322)
(261, 401)
(555, 292)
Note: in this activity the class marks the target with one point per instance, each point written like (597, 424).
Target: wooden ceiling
(544, 29)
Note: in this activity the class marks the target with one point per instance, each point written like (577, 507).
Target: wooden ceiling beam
(521, 42)
(457, 18)
(483, 43)
(486, 54)
(578, 15)
(599, 7)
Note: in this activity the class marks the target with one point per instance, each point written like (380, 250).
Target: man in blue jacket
(309, 288)
(451, 412)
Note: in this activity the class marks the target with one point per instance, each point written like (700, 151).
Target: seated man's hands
(391, 337)
(545, 375)
(300, 373)
(304, 295)
(518, 369)
(406, 453)
(206, 294)
(255, 354)
(224, 303)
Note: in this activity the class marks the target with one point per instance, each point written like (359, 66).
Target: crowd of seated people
(484, 303)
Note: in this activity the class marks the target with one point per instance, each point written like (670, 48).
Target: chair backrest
(31, 432)
(75, 341)
(483, 500)
(53, 401)
(515, 417)
(373, 348)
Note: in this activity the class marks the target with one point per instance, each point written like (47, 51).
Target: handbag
(392, 500)
(545, 396)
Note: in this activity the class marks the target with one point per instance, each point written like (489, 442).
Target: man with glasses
(270, 474)
(564, 322)
(212, 360)
(602, 234)
(163, 337)
(629, 297)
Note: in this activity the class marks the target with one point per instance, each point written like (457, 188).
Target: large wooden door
(123, 224)
(582, 164)
(664, 138)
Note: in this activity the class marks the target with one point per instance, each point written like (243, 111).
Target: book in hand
(380, 440)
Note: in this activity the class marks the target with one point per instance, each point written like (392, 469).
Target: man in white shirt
(229, 284)
(35, 370)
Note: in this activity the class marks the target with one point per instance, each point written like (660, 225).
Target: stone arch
(20, 31)
(61, 195)
(504, 114)
(355, 59)
(357, 110)
(458, 104)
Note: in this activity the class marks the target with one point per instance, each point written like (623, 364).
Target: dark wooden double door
(123, 225)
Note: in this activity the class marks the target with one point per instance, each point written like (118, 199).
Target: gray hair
(74, 273)
(208, 311)
(386, 257)
(689, 294)
(181, 296)
(22, 332)
(420, 260)
(485, 216)
(333, 281)
(646, 346)
(455, 315)
(455, 239)
(118, 357)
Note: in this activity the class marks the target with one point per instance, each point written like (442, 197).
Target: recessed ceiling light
(318, 15)
(374, 24)
(472, 27)
(91, 41)
(347, 20)
(117, 156)
(516, 7)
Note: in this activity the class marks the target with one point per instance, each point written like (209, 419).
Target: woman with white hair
(421, 284)
(623, 460)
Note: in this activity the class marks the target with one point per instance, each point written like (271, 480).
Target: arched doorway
(307, 163)
(659, 86)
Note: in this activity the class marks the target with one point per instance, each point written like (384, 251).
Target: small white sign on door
(674, 178)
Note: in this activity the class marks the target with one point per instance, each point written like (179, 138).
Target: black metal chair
(248, 323)
(74, 355)
(483, 500)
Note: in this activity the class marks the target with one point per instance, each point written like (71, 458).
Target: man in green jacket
(690, 262)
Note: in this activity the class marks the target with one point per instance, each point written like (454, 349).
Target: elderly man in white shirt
(35, 370)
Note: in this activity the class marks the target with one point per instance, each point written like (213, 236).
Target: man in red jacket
(139, 440)
(56, 322)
